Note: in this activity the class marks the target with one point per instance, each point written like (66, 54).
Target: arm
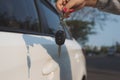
(111, 6)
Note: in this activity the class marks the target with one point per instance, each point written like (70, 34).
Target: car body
(27, 44)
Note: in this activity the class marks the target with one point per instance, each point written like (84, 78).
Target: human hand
(69, 6)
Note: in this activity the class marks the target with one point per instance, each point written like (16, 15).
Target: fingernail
(71, 10)
(64, 9)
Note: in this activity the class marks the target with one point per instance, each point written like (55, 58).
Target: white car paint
(33, 57)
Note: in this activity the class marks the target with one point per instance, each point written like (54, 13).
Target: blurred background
(98, 34)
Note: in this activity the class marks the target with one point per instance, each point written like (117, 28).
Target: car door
(71, 63)
(27, 45)
(18, 18)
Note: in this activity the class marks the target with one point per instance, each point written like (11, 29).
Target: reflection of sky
(52, 18)
(109, 35)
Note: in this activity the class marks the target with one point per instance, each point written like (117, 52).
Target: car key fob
(60, 40)
(60, 37)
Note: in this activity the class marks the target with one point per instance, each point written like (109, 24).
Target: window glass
(19, 15)
(52, 20)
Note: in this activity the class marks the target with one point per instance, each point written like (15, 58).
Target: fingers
(69, 6)
(75, 4)
(80, 6)
(59, 5)
(64, 2)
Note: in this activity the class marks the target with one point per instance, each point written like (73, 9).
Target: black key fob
(60, 37)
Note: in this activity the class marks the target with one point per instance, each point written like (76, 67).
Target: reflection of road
(103, 68)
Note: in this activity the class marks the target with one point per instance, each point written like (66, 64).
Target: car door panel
(12, 57)
(35, 57)
(77, 58)
(26, 57)
(51, 62)
(45, 59)
(42, 64)
(71, 55)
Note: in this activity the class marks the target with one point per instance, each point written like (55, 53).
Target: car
(111, 51)
(28, 49)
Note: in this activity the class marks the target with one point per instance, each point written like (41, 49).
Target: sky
(109, 35)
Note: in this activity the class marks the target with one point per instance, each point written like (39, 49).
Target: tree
(104, 49)
(117, 47)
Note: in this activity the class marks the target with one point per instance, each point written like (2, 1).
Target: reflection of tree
(80, 30)
(28, 24)
(104, 49)
(4, 19)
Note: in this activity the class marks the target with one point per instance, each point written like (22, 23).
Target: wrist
(91, 3)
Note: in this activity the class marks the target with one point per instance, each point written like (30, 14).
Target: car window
(19, 15)
(52, 19)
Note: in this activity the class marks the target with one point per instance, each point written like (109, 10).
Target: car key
(60, 36)
(60, 39)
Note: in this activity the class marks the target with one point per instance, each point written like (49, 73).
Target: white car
(28, 50)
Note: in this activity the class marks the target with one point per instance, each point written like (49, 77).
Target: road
(103, 68)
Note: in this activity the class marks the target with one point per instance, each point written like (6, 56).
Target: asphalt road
(103, 68)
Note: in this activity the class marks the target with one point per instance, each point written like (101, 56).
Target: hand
(69, 6)
(75, 5)
(60, 4)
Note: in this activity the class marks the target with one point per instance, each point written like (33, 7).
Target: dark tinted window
(19, 15)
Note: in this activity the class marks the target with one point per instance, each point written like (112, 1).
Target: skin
(73, 5)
